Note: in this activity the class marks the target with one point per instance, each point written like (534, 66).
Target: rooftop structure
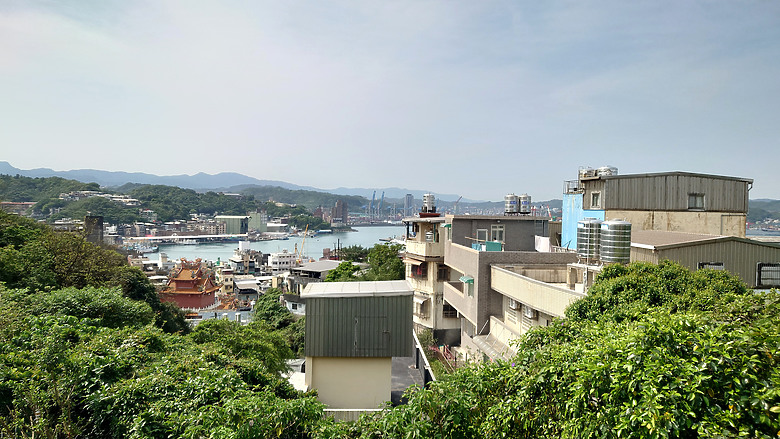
(353, 329)
(191, 285)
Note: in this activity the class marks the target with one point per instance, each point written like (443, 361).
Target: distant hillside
(763, 209)
(201, 182)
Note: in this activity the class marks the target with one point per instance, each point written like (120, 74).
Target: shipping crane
(455, 205)
(379, 209)
(371, 208)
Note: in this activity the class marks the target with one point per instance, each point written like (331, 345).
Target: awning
(447, 226)
(412, 261)
(420, 300)
(467, 279)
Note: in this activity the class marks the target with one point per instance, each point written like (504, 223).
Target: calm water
(364, 236)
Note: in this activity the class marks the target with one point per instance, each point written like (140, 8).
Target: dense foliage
(66, 375)
(307, 199)
(173, 203)
(35, 258)
(384, 263)
(290, 327)
(18, 188)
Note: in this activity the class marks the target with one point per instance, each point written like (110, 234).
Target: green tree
(354, 253)
(384, 263)
(345, 272)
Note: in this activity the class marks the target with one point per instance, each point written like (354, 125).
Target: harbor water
(312, 247)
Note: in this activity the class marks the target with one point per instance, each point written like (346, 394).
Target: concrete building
(310, 272)
(234, 225)
(281, 261)
(427, 273)
(248, 261)
(669, 201)
(340, 213)
(353, 329)
(408, 205)
(258, 222)
(473, 245)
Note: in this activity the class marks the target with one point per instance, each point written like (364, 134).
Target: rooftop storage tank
(429, 203)
(588, 237)
(511, 205)
(615, 242)
(607, 170)
(525, 204)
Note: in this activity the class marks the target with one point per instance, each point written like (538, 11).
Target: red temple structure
(191, 286)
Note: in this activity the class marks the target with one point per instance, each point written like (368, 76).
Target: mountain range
(224, 181)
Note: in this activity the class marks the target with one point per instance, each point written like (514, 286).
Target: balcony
(543, 289)
(425, 249)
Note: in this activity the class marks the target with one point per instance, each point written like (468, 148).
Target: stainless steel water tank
(511, 204)
(525, 204)
(615, 242)
(588, 237)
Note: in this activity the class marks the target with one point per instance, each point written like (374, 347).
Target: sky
(476, 98)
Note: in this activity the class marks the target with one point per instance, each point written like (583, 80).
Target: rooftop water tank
(525, 204)
(429, 203)
(586, 172)
(607, 170)
(588, 237)
(615, 242)
(511, 204)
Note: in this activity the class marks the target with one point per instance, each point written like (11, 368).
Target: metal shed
(757, 263)
(359, 319)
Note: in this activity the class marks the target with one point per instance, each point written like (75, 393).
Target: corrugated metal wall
(359, 327)
(669, 192)
(738, 257)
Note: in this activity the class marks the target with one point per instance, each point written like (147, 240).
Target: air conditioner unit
(513, 304)
(529, 312)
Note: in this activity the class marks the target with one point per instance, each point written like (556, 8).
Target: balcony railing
(427, 249)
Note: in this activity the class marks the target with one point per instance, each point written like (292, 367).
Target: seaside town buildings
(504, 274)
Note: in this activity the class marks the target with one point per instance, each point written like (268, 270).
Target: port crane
(455, 205)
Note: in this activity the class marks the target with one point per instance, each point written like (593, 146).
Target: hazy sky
(477, 98)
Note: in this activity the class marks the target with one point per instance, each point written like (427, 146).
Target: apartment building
(427, 273)
(472, 245)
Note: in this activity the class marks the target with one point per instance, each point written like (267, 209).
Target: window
(595, 200)
(449, 233)
(710, 266)
(294, 306)
(696, 201)
(497, 232)
(448, 311)
(768, 275)
(482, 235)
(443, 273)
(420, 271)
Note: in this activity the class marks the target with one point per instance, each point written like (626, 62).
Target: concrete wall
(476, 264)
(711, 223)
(350, 383)
(541, 296)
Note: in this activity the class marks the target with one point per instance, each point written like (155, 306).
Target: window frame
(697, 201)
(495, 230)
(595, 196)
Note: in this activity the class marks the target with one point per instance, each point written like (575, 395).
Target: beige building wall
(549, 299)
(711, 223)
(350, 383)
